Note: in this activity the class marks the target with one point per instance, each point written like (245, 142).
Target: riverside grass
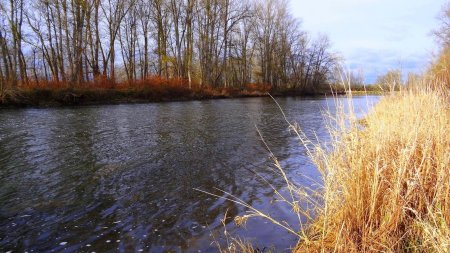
(386, 178)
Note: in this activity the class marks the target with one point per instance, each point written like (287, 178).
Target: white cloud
(375, 34)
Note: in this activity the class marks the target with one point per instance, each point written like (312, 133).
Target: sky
(375, 35)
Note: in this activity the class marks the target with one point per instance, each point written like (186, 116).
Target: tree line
(217, 43)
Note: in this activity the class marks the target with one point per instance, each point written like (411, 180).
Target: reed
(387, 179)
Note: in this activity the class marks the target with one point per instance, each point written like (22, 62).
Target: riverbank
(79, 97)
(369, 92)
(386, 183)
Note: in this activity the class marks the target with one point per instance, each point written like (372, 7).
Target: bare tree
(114, 12)
(221, 43)
(13, 12)
(443, 32)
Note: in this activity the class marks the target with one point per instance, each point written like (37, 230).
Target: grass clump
(387, 180)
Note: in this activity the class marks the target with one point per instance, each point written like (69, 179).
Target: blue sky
(375, 35)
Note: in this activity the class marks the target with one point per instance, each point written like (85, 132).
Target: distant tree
(443, 32)
(357, 78)
(12, 15)
(114, 12)
(390, 81)
(440, 68)
(413, 78)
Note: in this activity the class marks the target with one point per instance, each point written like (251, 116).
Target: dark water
(122, 177)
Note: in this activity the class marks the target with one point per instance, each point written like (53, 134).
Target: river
(121, 178)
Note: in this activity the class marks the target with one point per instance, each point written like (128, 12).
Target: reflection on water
(121, 177)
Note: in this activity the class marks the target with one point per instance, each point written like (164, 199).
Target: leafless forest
(207, 43)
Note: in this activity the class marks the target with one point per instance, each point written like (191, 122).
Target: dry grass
(440, 69)
(387, 180)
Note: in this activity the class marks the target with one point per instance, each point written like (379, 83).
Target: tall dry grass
(387, 180)
(440, 68)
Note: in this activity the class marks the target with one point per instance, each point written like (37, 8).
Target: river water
(122, 178)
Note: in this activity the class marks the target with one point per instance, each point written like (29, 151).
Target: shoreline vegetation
(386, 182)
(43, 98)
(55, 94)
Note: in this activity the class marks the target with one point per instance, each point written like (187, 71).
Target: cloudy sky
(375, 35)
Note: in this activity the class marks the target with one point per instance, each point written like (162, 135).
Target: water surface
(122, 177)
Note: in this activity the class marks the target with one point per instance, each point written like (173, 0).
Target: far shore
(42, 98)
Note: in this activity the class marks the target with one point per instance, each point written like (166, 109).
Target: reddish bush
(99, 82)
(258, 87)
(154, 88)
(43, 84)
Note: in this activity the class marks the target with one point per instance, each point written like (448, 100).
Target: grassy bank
(365, 93)
(387, 180)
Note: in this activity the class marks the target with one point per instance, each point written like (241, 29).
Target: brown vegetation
(387, 184)
(100, 91)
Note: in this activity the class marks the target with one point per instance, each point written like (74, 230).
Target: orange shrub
(259, 87)
(43, 84)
